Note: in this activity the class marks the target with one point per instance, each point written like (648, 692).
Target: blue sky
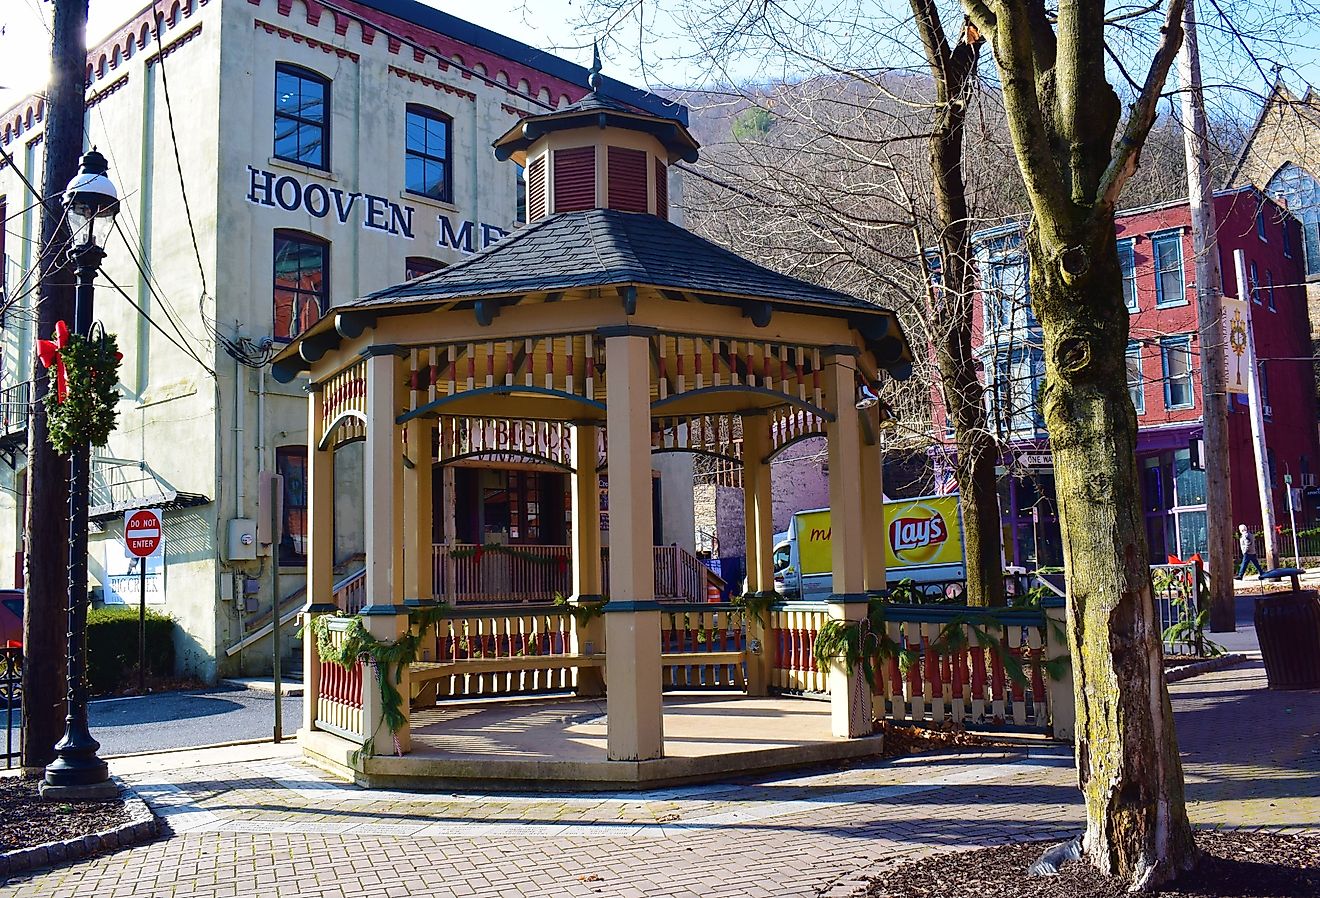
(550, 24)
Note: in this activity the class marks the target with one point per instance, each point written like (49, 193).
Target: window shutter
(575, 179)
(536, 189)
(661, 190)
(627, 179)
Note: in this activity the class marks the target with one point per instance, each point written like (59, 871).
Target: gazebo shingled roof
(604, 248)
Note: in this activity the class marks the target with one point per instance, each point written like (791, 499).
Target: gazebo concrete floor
(557, 744)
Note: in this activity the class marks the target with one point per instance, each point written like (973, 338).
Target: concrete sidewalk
(256, 820)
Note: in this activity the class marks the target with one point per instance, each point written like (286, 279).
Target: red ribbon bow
(49, 351)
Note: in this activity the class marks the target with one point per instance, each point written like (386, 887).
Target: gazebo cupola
(597, 154)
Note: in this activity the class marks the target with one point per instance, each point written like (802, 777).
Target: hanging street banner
(1237, 318)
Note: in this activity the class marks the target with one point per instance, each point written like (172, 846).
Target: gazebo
(603, 317)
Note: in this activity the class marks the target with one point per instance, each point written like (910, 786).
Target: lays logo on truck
(918, 536)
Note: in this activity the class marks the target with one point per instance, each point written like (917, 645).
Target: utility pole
(45, 611)
(1257, 420)
(1210, 314)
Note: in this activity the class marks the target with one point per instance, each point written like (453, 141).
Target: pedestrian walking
(1248, 545)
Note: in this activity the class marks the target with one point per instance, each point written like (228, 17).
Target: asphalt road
(185, 719)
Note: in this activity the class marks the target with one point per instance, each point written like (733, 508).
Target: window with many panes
(302, 116)
(1261, 232)
(291, 463)
(1269, 289)
(1176, 357)
(1300, 191)
(1127, 263)
(1166, 249)
(1253, 282)
(1135, 382)
(426, 158)
(1018, 375)
(301, 282)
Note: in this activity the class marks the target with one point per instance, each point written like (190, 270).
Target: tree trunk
(1127, 754)
(45, 609)
(951, 310)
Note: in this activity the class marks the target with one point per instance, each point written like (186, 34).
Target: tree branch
(1128, 152)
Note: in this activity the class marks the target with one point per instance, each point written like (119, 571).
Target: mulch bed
(27, 820)
(1234, 864)
(901, 740)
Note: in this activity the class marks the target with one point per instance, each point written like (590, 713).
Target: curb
(1210, 665)
(142, 826)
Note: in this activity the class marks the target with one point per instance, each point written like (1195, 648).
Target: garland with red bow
(81, 408)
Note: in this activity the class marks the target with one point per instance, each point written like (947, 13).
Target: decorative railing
(513, 650)
(703, 646)
(466, 574)
(793, 629)
(15, 408)
(351, 592)
(339, 693)
(964, 666)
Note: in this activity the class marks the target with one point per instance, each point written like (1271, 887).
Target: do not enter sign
(143, 535)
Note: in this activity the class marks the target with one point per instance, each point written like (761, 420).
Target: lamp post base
(102, 791)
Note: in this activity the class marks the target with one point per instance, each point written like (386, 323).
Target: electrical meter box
(242, 539)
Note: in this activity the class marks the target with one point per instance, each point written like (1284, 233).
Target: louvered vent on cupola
(661, 190)
(575, 179)
(627, 179)
(536, 189)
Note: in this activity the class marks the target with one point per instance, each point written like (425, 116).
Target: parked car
(11, 618)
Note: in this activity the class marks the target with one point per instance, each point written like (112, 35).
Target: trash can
(1288, 627)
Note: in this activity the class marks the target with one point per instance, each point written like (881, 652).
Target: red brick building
(1155, 248)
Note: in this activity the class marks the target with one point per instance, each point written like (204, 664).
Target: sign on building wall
(122, 572)
(1237, 318)
(371, 212)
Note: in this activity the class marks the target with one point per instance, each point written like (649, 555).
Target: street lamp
(91, 203)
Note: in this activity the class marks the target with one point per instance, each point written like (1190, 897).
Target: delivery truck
(923, 543)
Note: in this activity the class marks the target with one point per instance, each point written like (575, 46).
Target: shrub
(112, 646)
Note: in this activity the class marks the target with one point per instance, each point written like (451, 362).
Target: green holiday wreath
(82, 408)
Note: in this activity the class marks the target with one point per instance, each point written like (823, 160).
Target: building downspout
(240, 412)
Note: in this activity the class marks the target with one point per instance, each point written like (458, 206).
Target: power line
(174, 143)
(184, 349)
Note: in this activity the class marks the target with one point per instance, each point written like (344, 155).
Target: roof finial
(593, 79)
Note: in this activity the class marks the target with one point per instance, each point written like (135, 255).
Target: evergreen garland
(358, 645)
(846, 641)
(88, 412)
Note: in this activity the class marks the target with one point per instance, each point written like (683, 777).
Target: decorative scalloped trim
(103, 61)
(432, 83)
(311, 42)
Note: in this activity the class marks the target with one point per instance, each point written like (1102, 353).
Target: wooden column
(320, 548)
(850, 694)
(589, 638)
(632, 616)
(418, 579)
(384, 481)
(385, 627)
(875, 536)
(760, 542)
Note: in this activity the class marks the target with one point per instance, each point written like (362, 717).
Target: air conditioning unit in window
(1269, 412)
(1308, 480)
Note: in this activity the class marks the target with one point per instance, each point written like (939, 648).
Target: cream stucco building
(327, 150)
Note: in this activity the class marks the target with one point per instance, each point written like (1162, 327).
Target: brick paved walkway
(277, 827)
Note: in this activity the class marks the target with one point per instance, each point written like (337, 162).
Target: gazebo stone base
(797, 737)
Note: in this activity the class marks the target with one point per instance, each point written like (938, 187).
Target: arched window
(301, 288)
(1300, 191)
(302, 116)
(427, 154)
